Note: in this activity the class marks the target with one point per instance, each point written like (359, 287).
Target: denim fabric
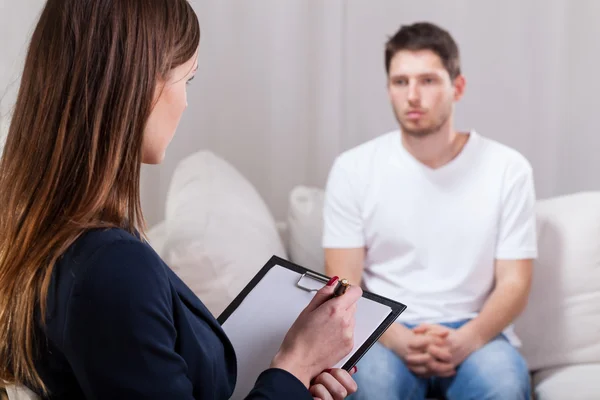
(497, 371)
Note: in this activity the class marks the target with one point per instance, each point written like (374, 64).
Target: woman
(87, 309)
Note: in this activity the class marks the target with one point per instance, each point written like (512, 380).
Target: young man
(442, 221)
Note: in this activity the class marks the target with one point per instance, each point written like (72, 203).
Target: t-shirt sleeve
(342, 219)
(517, 234)
(120, 336)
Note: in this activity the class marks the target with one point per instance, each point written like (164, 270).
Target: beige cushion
(561, 324)
(305, 227)
(218, 230)
(4, 122)
(157, 236)
(577, 382)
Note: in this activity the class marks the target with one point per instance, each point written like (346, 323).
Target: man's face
(421, 91)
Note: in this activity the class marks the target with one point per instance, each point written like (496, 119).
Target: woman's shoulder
(108, 258)
(98, 243)
(108, 273)
(94, 240)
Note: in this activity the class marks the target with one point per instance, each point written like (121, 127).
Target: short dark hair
(425, 36)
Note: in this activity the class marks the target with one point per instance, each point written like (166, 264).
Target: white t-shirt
(432, 235)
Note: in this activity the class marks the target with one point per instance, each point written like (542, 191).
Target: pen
(341, 287)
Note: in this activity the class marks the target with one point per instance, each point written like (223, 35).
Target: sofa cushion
(576, 382)
(157, 236)
(561, 323)
(20, 393)
(305, 227)
(218, 230)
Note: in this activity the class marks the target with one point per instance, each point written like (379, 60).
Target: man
(442, 221)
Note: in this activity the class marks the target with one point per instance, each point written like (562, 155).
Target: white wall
(267, 97)
(285, 86)
(17, 20)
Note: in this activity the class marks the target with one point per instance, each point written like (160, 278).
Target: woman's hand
(322, 334)
(333, 384)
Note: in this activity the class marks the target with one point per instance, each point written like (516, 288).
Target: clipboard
(259, 317)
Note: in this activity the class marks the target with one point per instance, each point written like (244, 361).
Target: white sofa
(560, 328)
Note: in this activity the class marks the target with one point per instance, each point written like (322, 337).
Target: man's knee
(505, 384)
(497, 371)
(379, 364)
(516, 388)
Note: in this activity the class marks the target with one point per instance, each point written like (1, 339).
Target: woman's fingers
(348, 299)
(334, 388)
(345, 378)
(322, 295)
(319, 391)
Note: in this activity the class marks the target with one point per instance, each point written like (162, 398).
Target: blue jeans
(495, 372)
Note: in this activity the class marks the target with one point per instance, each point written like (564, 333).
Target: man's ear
(459, 87)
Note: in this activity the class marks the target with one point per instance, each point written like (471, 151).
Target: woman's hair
(72, 157)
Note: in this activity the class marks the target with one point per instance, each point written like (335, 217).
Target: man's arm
(345, 263)
(343, 226)
(505, 303)
(515, 251)
(349, 264)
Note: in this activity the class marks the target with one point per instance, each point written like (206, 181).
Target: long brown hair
(73, 152)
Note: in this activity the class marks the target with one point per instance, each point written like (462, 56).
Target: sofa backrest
(561, 323)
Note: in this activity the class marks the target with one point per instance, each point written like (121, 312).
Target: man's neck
(436, 149)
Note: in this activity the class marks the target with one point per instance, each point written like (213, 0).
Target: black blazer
(121, 325)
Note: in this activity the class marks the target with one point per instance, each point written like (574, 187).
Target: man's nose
(414, 94)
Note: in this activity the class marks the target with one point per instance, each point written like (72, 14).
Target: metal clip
(313, 276)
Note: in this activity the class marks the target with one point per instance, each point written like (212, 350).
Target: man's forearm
(344, 273)
(345, 263)
(501, 308)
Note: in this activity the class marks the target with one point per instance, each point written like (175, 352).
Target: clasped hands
(435, 350)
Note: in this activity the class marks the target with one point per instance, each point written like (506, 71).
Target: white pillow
(561, 324)
(4, 122)
(305, 227)
(157, 236)
(219, 232)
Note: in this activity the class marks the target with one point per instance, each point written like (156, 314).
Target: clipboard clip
(314, 277)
